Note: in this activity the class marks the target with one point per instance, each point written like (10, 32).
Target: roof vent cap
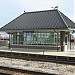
(24, 11)
(56, 7)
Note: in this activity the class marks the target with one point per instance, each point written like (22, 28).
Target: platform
(38, 51)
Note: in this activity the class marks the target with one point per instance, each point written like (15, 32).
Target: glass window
(20, 38)
(14, 38)
(32, 38)
(28, 38)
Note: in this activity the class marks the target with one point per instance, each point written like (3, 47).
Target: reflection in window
(15, 38)
(31, 38)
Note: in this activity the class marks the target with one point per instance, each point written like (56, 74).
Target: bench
(48, 47)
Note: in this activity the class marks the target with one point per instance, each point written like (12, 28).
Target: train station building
(49, 29)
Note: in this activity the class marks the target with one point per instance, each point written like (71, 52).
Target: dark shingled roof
(49, 19)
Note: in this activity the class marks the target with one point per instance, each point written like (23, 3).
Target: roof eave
(36, 30)
(71, 28)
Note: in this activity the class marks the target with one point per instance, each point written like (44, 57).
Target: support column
(57, 41)
(62, 40)
(68, 43)
(9, 40)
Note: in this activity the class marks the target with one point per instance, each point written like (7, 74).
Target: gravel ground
(45, 67)
(12, 72)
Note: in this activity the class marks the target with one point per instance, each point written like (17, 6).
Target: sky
(10, 9)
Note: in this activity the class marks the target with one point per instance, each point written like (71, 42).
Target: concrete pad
(38, 51)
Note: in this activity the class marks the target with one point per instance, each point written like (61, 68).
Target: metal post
(43, 53)
(11, 54)
(43, 58)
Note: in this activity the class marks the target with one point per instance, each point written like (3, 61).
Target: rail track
(4, 74)
(38, 57)
(11, 71)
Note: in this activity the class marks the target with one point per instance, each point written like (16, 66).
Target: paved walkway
(38, 51)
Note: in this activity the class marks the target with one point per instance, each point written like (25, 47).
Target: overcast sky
(10, 9)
